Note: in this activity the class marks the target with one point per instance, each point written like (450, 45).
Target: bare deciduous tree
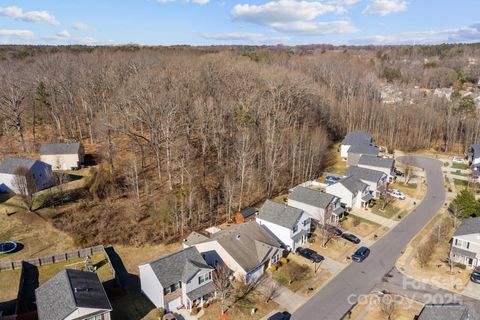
(25, 186)
(388, 307)
(223, 284)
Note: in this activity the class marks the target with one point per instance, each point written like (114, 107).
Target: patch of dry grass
(9, 282)
(361, 227)
(335, 249)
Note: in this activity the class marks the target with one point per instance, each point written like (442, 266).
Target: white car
(458, 160)
(397, 194)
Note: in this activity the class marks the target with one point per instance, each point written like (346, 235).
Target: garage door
(175, 304)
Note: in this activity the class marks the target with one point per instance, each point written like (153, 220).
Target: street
(341, 293)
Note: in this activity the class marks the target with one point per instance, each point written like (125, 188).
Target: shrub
(392, 74)
(158, 313)
(283, 260)
(273, 267)
(195, 310)
(460, 266)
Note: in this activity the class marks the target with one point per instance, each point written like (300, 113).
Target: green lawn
(462, 166)
(460, 183)
(408, 189)
(457, 173)
(293, 275)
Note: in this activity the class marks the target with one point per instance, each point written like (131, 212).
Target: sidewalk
(365, 214)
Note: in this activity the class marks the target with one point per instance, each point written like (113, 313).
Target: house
(474, 155)
(466, 243)
(289, 225)
(355, 152)
(476, 171)
(354, 138)
(352, 192)
(39, 170)
(241, 216)
(180, 279)
(73, 294)
(247, 249)
(376, 180)
(386, 165)
(62, 156)
(445, 312)
(323, 207)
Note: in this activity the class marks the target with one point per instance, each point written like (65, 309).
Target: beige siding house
(63, 156)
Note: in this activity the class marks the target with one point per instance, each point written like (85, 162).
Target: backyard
(10, 280)
(335, 164)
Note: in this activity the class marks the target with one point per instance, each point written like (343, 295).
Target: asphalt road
(341, 293)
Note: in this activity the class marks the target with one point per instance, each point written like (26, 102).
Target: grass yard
(241, 310)
(282, 199)
(406, 309)
(9, 282)
(336, 248)
(392, 210)
(460, 183)
(38, 237)
(458, 173)
(293, 275)
(358, 226)
(408, 189)
(335, 164)
(317, 283)
(461, 166)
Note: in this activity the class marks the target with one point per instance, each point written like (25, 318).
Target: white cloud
(243, 36)
(29, 16)
(464, 34)
(293, 16)
(385, 7)
(64, 34)
(17, 34)
(80, 26)
(201, 2)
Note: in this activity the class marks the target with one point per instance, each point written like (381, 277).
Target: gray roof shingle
(178, 266)
(60, 148)
(279, 214)
(445, 312)
(247, 243)
(365, 174)
(374, 161)
(314, 198)
(357, 137)
(364, 149)
(11, 164)
(468, 226)
(353, 184)
(69, 290)
(476, 150)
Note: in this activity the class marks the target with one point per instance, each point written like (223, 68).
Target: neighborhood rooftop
(248, 243)
(60, 148)
(315, 198)
(375, 161)
(178, 266)
(468, 226)
(69, 290)
(445, 312)
(357, 137)
(365, 174)
(476, 149)
(279, 214)
(11, 164)
(364, 149)
(353, 184)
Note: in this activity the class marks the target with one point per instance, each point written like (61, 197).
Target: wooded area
(187, 136)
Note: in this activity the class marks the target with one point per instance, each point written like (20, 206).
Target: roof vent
(237, 237)
(81, 290)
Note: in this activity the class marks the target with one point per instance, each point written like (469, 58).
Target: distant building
(73, 294)
(385, 165)
(355, 138)
(180, 279)
(352, 192)
(63, 156)
(466, 243)
(377, 180)
(244, 214)
(357, 151)
(288, 225)
(40, 171)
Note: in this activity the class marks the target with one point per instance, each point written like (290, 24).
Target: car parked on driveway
(397, 194)
(285, 315)
(351, 237)
(475, 276)
(361, 254)
(310, 254)
(458, 160)
(398, 173)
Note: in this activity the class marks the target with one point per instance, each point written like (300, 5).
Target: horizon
(246, 22)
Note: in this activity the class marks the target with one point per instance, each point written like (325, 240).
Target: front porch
(200, 295)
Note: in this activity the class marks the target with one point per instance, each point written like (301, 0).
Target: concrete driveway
(342, 292)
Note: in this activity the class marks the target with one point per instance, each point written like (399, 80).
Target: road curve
(334, 300)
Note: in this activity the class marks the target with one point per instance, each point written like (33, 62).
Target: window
(97, 317)
(295, 228)
(306, 222)
(468, 245)
(204, 278)
(167, 290)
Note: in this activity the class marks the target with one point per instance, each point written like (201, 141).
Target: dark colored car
(350, 237)
(281, 316)
(475, 277)
(310, 255)
(332, 178)
(360, 254)
(399, 173)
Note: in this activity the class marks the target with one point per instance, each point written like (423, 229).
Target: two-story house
(322, 207)
(354, 138)
(289, 225)
(180, 279)
(247, 249)
(465, 247)
(73, 294)
(376, 180)
(357, 151)
(63, 156)
(385, 165)
(352, 192)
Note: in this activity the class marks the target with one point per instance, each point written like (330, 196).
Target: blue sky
(204, 22)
